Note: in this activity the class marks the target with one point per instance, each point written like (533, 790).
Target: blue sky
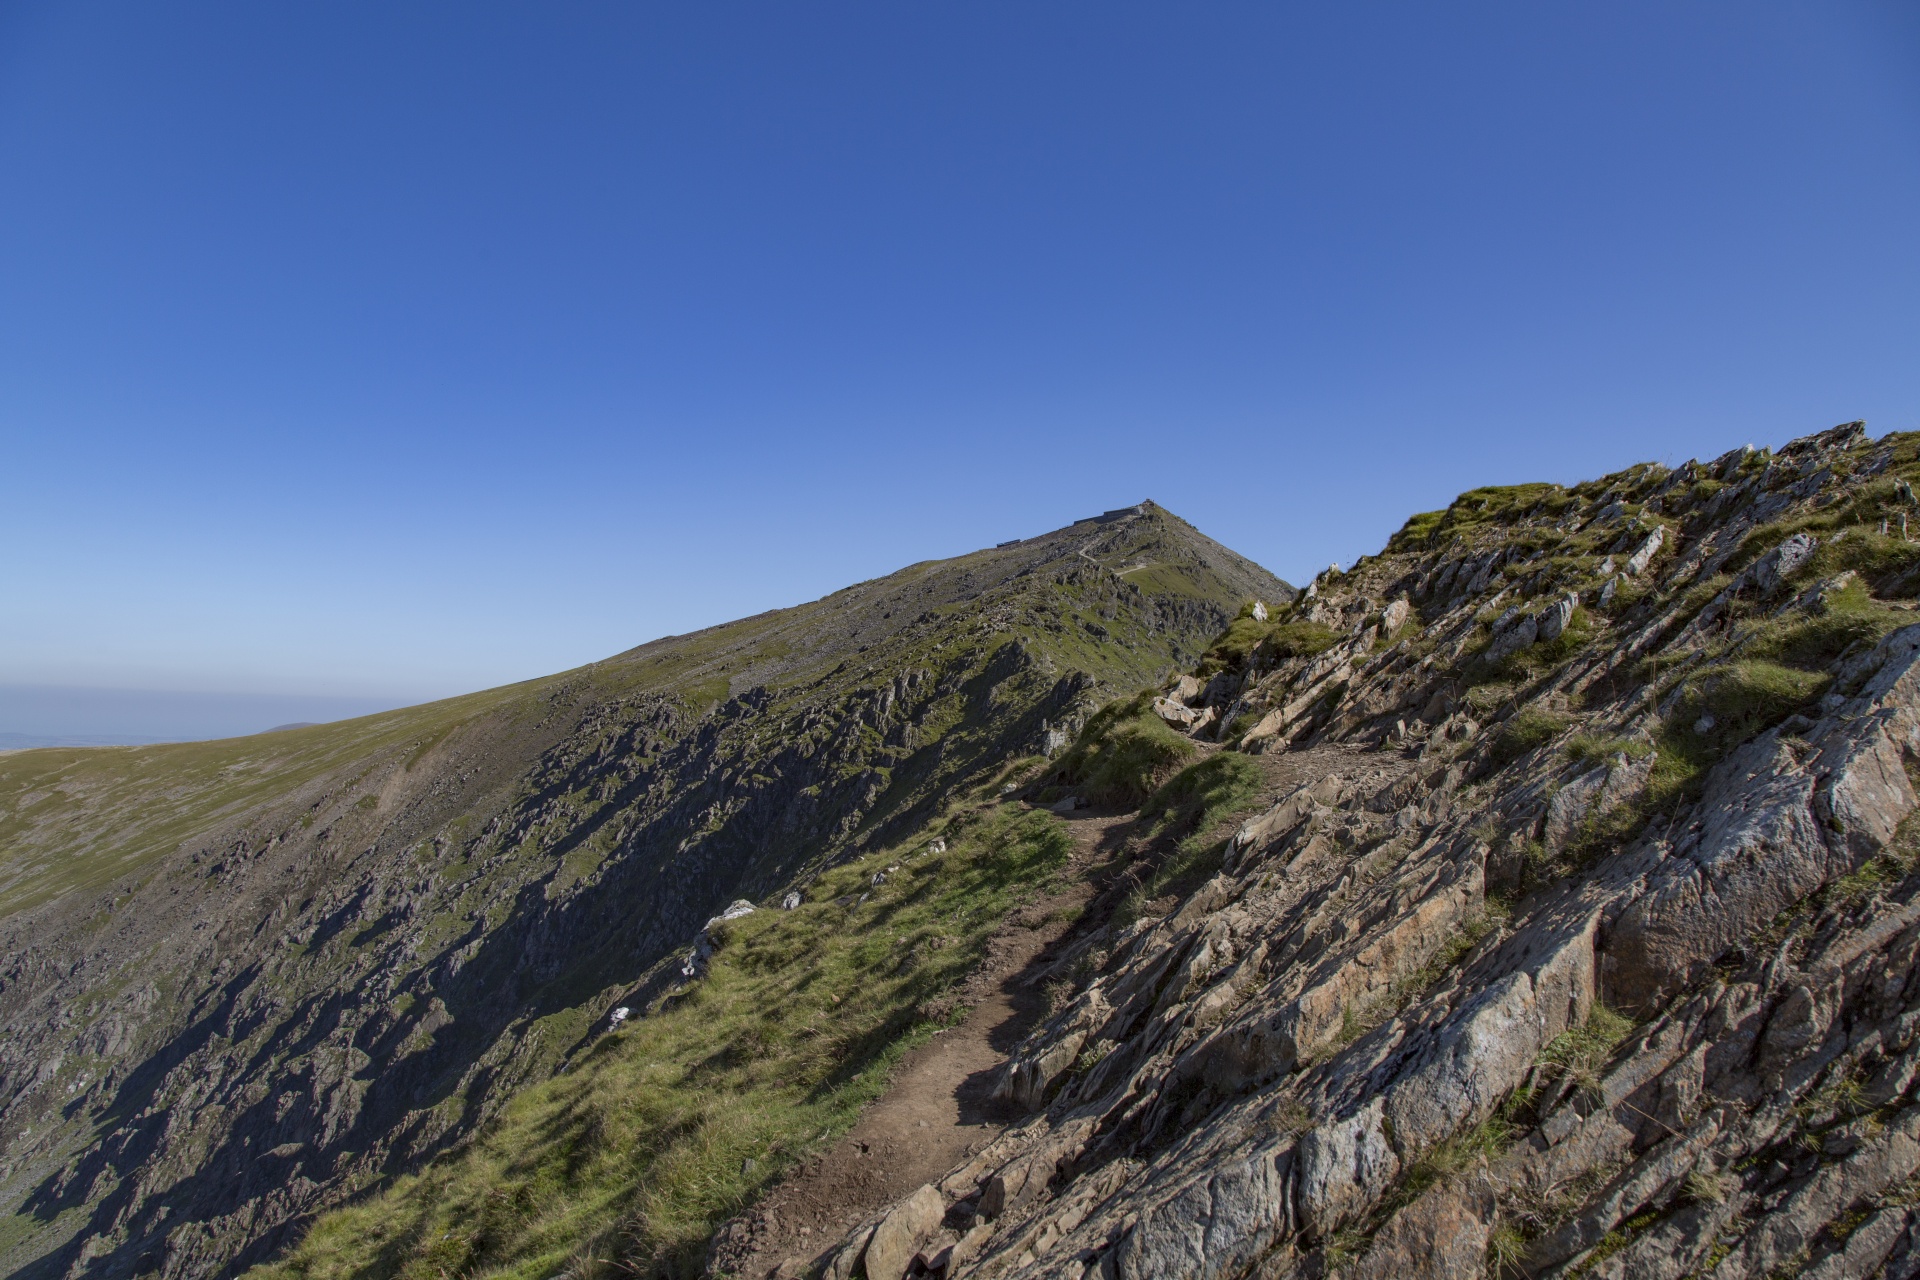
(392, 350)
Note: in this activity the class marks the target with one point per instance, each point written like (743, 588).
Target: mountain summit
(247, 979)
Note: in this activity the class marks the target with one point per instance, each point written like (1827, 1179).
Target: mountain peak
(445, 895)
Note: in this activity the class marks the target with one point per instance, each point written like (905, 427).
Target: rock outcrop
(1596, 954)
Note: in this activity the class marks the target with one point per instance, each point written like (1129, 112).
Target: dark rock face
(1595, 953)
(343, 969)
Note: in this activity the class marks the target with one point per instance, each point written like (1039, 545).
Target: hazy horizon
(52, 715)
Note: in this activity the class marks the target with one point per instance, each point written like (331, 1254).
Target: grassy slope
(666, 1128)
(626, 1164)
(78, 819)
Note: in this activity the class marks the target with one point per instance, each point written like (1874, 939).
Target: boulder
(1344, 1165)
(737, 908)
(1777, 824)
(1638, 562)
(899, 1234)
(1517, 636)
(1219, 1224)
(1781, 563)
(846, 1258)
(1443, 1235)
(1731, 461)
(1174, 713)
(1594, 792)
(1553, 620)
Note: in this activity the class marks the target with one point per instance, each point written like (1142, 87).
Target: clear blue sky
(398, 349)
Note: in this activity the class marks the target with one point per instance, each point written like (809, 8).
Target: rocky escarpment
(1597, 958)
(246, 980)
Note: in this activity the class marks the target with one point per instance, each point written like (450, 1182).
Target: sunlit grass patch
(1124, 753)
(660, 1131)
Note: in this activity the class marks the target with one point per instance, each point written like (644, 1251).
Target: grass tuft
(1591, 749)
(1582, 1052)
(1125, 753)
(1525, 730)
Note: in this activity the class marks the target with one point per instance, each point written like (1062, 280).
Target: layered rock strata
(1605, 964)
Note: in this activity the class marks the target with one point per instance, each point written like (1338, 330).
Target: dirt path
(939, 1109)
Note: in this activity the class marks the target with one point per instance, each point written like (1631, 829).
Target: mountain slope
(1583, 941)
(245, 979)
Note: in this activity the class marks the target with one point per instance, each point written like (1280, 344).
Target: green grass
(1124, 753)
(76, 820)
(628, 1162)
(1523, 731)
(1548, 654)
(1274, 639)
(1744, 699)
(1491, 505)
(1176, 581)
(1194, 804)
(1200, 792)
(1583, 1052)
(1299, 640)
(1591, 749)
(1849, 618)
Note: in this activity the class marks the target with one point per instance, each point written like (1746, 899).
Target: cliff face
(244, 980)
(1585, 944)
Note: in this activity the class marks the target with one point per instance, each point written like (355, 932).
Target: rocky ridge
(1594, 954)
(244, 981)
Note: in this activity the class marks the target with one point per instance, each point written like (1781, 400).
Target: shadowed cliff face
(1580, 941)
(243, 980)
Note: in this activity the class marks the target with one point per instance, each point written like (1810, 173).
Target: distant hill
(242, 980)
(27, 741)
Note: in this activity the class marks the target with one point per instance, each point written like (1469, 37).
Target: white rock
(1554, 618)
(1174, 713)
(791, 901)
(1638, 563)
(617, 1017)
(892, 1247)
(1516, 637)
(1782, 561)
